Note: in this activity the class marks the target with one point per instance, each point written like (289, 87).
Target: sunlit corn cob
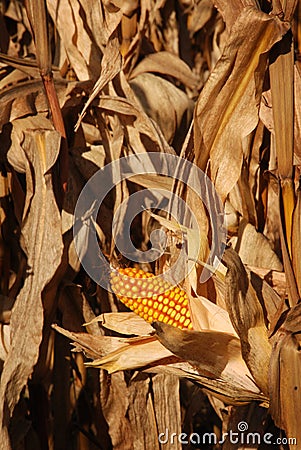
(151, 297)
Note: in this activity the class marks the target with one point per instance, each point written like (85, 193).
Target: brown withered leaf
(227, 393)
(111, 65)
(135, 121)
(230, 10)
(35, 148)
(254, 248)
(167, 64)
(28, 98)
(247, 316)
(27, 66)
(199, 14)
(82, 50)
(227, 109)
(165, 103)
(284, 376)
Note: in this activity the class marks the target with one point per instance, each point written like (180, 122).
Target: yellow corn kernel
(151, 297)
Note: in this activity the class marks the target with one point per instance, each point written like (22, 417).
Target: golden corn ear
(151, 297)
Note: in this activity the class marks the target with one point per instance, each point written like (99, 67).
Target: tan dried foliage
(83, 84)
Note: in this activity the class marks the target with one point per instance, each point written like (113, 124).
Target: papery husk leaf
(136, 353)
(206, 315)
(227, 109)
(214, 354)
(246, 313)
(127, 323)
(92, 346)
(34, 150)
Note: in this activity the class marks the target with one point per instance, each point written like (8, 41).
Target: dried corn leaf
(227, 109)
(114, 399)
(28, 98)
(230, 10)
(199, 14)
(4, 343)
(167, 64)
(228, 393)
(162, 410)
(218, 367)
(111, 65)
(134, 119)
(165, 103)
(34, 151)
(284, 376)
(27, 66)
(254, 248)
(246, 313)
(82, 51)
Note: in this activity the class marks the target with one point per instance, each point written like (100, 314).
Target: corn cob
(151, 297)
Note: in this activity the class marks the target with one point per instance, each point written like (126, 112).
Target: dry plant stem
(36, 10)
(282, 91)
(58, 123)
(291, 281)
(283, 113)
(61, 394)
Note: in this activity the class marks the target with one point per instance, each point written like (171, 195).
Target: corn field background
(84, 83)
